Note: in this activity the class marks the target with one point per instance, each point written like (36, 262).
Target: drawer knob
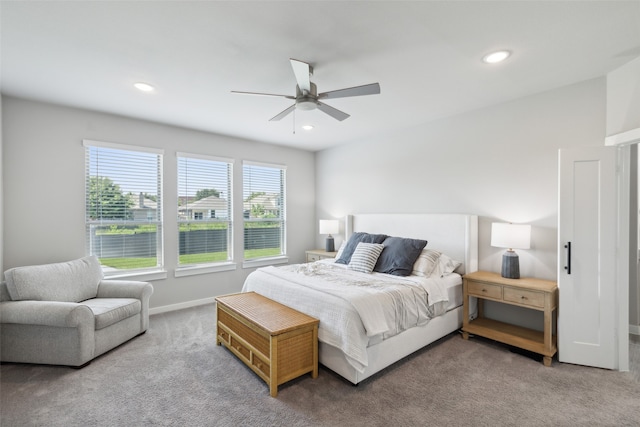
(523, 297)
(238, 347)
(484, 290)
(259, 365)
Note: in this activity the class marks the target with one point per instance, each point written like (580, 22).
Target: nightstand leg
(546, 360)
(465, 335)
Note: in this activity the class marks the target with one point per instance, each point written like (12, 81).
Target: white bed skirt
(393, 349)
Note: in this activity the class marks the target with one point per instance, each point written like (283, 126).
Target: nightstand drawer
(313, 257)
(318, 254)
(520, 296)
(485, 290)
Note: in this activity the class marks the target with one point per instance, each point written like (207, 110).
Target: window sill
(204, 269)
(263, 262)
(138, 275)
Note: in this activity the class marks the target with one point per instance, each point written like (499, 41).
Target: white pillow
(426, 263)
(339, 254)
(365, 256)
(445, 266)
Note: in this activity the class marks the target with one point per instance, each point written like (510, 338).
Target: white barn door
(588, 314)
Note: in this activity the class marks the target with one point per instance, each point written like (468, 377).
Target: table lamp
(329, 226)
(510, 236)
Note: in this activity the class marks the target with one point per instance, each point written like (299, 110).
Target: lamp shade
(512, 236)
(329, 226)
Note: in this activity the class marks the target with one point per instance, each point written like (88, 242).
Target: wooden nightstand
(536, 294)
(318, 254)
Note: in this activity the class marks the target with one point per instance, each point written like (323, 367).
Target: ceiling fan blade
(333, 112)
(302, 70)
(263, 94)
(282, 114)
(370, 89)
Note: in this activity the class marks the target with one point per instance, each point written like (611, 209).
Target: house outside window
(264, 214)
(123, 206)
(205, 217)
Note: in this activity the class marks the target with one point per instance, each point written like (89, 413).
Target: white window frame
(281, 258)
(207, 267)
(145, 273)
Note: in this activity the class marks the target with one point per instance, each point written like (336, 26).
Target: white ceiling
(425, 55)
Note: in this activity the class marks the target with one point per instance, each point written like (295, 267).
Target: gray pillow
(72, 281)
(353, 241)
(399, 255)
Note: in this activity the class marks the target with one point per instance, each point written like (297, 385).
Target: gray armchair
(67, 314)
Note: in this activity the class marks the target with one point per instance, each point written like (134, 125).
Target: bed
(359, 356)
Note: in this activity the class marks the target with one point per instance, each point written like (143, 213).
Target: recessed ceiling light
(496, 57)
(307, 127)
(145, 87)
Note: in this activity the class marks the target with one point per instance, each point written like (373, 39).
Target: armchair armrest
(47, 313)
(129, 289)
(125, 289)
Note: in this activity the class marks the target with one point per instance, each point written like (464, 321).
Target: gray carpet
(176, 375)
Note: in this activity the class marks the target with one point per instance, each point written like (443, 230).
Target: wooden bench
(277, 342)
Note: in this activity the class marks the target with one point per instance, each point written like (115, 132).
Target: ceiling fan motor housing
(307, 101)
(313, 93)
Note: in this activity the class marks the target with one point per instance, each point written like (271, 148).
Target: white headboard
(455, 235)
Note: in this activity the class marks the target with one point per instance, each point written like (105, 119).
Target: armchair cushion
(72, 281)
(108, 311)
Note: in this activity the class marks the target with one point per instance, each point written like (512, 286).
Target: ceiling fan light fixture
(495, 57)
(307, 127)
(306, 104)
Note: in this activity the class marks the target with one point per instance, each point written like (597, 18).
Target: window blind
(123, 206)
(264, 212)
(204, 209)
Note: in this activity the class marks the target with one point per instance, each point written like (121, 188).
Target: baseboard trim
(634, 329)
(181, 305)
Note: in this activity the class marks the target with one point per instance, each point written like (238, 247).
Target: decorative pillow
(341, 249)
(353, 241)
(426, 263)
(399, 255)
(72, 281)
(365, 256)
(446, 265)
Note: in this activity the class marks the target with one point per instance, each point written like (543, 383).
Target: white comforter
(354, 308)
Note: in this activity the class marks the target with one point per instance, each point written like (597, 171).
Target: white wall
(623, 98)
(1, 195)
(43, 169)
(499, 163)
(623, 115)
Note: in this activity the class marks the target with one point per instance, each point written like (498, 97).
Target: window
(123, 202)
(204, 210)
(264, 213)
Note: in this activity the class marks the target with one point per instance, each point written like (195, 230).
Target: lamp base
(330, 246)
(510, 265)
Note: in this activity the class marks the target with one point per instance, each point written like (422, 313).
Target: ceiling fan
(307, 96)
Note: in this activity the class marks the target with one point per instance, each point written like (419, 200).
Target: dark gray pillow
(353, 241)
(399, 255)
